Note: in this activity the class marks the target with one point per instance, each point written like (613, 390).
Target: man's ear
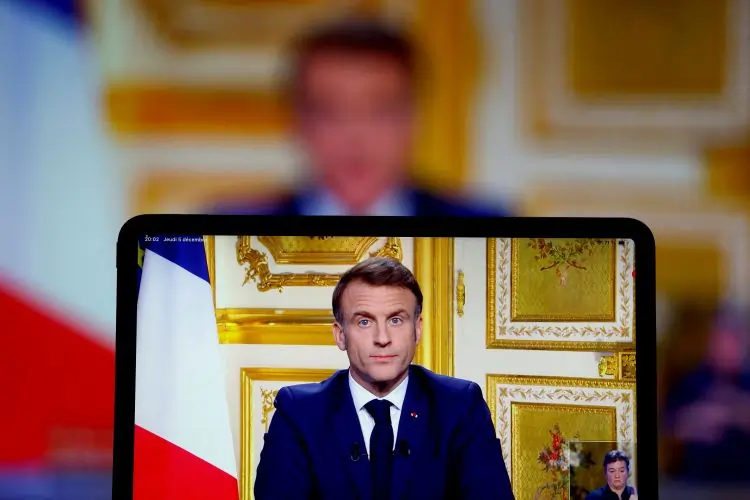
(339, 336)
(418, 329)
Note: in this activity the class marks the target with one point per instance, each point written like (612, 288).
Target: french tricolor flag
(183, 439)
(59, 188)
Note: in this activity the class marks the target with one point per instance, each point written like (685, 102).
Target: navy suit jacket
(605, 493)
(423, 203)
(446, 446)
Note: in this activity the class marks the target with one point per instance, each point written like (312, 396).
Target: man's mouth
(383, 357)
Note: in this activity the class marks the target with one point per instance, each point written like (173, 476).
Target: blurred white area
(61, 188)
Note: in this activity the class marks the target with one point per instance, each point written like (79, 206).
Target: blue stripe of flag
(188, 252)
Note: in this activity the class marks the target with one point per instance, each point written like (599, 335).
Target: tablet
(346, 357)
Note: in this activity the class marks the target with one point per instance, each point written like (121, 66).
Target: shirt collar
(323, 202)
(362, 396)
(626, 492)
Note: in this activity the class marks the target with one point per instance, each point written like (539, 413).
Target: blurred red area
(60, 400)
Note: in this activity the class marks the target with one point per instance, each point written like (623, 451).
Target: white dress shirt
(322, 202)
(362, 396)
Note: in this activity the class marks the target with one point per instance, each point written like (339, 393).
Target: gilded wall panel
(560, 294)
(649, 71)
(259, 387)
(537, 419)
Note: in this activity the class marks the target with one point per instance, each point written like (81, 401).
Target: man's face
(355, 123)
(617, 475)
(379, 333)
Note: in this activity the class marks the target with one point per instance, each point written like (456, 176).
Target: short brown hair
(615, 456)
(360, 36)
(377, 271)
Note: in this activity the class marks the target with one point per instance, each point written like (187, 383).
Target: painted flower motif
(561, 257)
(575, 459)
(560, 460)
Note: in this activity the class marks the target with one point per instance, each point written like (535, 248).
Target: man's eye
(396, 321)
(363, 322)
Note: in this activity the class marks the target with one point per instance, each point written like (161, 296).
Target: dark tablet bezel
(511, 227)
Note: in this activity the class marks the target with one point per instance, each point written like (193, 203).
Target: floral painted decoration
(560, 460)
(562, 256)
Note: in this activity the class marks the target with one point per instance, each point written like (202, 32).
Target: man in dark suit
(383, 429)
(352, 89)
(616, 472)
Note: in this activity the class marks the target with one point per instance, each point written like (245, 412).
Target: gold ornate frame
(258, 270)
(627, 321)
(568, 391)
(247, 377)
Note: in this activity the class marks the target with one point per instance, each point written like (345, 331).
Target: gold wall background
(273, 293)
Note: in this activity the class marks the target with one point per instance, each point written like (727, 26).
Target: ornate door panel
(273, 310)
(546, 328)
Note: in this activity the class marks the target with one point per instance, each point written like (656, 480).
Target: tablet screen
(505, 364)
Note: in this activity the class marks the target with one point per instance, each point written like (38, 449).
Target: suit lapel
(426, 205)
(413, 434)
(348, 438)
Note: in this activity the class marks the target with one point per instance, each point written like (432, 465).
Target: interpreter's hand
(703, 422)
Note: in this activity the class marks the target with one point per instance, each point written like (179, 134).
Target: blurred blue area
(65, 12)
(35, 484)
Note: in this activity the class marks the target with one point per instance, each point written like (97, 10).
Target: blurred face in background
(356, 123)
(617, 475)
(727, 351)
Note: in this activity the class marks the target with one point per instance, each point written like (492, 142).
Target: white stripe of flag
(180, 390)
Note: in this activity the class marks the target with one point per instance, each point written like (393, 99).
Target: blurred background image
(112, 108)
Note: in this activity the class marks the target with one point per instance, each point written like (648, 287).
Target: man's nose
(381, 336)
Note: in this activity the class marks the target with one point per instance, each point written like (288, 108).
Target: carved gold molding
(460, 294)
(249, 377)
(620, 366)
(433, 268)
(258, 270)
(209, 243)
(329, 250)
(275, 326)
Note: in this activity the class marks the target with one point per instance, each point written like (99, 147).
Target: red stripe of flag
(164, 471)
(57, 384)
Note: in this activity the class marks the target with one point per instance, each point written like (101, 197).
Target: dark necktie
(381, 448)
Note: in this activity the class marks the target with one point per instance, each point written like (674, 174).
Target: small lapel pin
(414, 415)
